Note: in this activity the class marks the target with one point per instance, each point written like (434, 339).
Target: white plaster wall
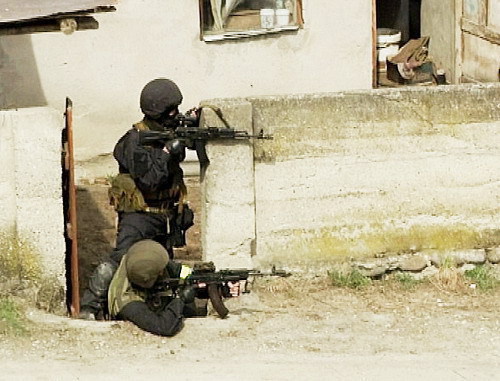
(7, 173)
(103, 71)
(31, 183)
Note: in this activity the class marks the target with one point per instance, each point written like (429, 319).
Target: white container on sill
(267, 18)
(387, 45)
(282, 17)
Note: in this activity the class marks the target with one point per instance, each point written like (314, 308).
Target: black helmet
(158, 96)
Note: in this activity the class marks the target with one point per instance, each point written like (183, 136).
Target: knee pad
(101, 278)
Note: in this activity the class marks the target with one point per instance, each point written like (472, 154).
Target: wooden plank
(15, 10)
(480, 31)
(374, 46)
(46, 25)
(70, 212)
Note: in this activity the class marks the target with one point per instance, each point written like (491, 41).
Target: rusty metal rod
(72, 217)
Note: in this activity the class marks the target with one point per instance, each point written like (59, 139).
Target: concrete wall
(30, 186)
(104, 70)
(359, 173)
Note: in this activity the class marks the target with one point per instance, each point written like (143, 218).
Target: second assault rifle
(216, 285)
(195, 137)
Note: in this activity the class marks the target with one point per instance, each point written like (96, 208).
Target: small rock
(413, 263)
(467, 267)
(493, 255)
(377, 271)
(437, 259)
(372, 270)
(425, 273)
(459, 257)
(429, 271)
(476, 256)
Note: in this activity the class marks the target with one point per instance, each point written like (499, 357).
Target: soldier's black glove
(187, 294)
(176, 149)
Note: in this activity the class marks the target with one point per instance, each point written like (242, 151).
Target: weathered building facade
(311, 67)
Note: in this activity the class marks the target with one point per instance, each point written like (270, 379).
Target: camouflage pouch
(124, 195)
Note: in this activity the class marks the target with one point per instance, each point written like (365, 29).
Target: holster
(180, 221)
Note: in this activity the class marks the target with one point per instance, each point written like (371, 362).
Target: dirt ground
(299, 327)
(293, 328)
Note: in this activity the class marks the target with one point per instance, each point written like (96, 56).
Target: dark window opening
(403, 15)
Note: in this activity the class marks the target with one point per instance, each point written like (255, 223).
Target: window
(232, 19)
(481, 18)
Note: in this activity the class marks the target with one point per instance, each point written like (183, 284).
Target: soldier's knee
(100, 280)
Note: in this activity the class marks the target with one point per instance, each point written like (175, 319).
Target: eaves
(25, 17)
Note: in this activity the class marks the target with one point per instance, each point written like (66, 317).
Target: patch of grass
(352, 278)
(483, 277)
(11, 319)
(407, 281)
(449, 279)
(18, 259)
(448, 263)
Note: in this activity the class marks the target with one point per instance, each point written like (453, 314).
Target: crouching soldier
(132, 295)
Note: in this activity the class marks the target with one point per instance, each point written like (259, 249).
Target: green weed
(350, 279)
(483, 277)
(11, 319)
(407, 281)
(18, 259)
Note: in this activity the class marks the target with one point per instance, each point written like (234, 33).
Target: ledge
(232, 35)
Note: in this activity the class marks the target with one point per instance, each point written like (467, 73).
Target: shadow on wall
(20, 85)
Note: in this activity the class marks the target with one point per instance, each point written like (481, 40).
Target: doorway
(403, 15)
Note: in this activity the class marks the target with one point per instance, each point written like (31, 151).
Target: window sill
(233, 35)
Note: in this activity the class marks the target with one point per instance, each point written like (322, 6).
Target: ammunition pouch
(124, 195)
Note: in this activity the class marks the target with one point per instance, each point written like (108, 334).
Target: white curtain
(221, 10)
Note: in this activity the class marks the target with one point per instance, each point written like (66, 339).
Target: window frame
(479, 26)
(224, 35)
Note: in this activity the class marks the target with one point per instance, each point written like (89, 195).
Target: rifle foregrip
(216, 299)
(200, 148)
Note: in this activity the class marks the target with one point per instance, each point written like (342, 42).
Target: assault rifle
(215, 285)
(195, 137)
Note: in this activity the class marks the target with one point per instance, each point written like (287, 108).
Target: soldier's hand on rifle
(194, 112)
(176, 149)
(234, 288)
(187, 294)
